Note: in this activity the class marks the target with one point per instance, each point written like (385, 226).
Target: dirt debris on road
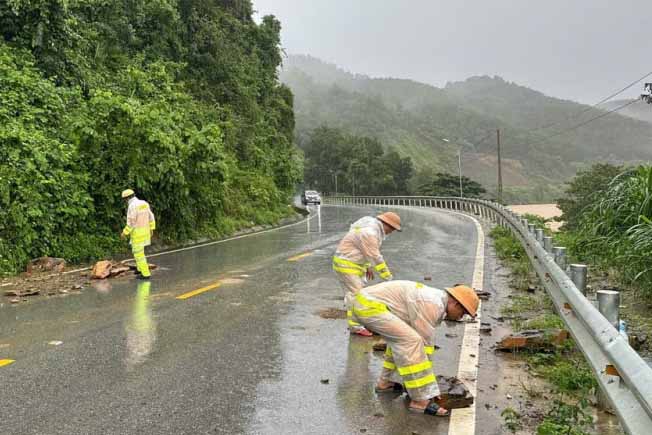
(332, 313)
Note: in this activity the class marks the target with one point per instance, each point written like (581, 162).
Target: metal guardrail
(623, 376)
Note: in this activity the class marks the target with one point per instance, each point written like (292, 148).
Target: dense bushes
(177, 99)
(613, 227)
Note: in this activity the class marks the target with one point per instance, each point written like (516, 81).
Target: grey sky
(575, 49)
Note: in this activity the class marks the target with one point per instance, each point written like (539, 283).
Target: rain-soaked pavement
(246, 357)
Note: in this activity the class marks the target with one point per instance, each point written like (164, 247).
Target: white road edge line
(462, 421)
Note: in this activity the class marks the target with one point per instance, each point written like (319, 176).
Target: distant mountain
(431, 124)
(639, 110)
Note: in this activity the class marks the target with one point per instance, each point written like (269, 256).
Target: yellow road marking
(198, 291)
(5, 362)
(300, 256)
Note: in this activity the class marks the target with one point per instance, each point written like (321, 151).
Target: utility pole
(459, 167)
(500, 169)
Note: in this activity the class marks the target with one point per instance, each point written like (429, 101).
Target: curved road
(245, 356)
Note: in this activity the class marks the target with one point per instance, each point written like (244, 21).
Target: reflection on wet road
(249, 355)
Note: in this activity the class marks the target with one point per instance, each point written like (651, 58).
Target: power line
(582, 124)
(590, 108)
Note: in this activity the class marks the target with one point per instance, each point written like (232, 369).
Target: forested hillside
(638, 110)
(430, 125)
(178, 99)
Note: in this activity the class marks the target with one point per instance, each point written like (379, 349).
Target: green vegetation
(359, 165)
(449, 185)
(563, 367)
(513, 255)
(613, 231)
(583, 191)
(431, 125)
(512, 419)
(178, 99)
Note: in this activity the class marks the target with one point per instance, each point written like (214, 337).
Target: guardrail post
(530, 228)
(608, 305)
(560, 256)
(578, 273)
(547, 244)
(539, 235)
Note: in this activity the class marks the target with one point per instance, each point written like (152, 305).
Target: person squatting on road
(140, 226)
(357, 252)
(405, 314)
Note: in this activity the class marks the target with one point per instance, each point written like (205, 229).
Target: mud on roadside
(509, 384)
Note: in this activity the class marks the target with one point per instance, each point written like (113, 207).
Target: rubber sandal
(431, 409)
(395, 388)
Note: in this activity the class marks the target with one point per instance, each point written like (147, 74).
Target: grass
(563, 367)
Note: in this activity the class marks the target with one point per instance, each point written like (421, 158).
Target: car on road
(310, 197)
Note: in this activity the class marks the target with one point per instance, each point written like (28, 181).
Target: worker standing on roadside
(358, 255)
(405, 314)
(140, 226)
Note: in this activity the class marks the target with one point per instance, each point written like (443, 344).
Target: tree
(584, 189)
(360, 163)
(449, 185)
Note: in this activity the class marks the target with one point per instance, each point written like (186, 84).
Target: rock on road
(246, 354)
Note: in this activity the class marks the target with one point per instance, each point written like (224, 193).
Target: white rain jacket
(420, 306)
(361, 248)
(405, 314)
(140, 223)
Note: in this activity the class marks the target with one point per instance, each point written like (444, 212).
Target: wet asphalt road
(246, 357)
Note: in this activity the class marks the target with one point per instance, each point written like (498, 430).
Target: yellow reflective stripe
(389, 365)
(429, 349)
(373, 308)
(342, 262)
(388, 351)
(415, 368)
(349, 313)
(347, 271)
(127, 230)
(417, 383)
(6, 362)
(386, 274)
(142, 207)
(353, 323)
(419, 285)
(152, 225)
(380, 266)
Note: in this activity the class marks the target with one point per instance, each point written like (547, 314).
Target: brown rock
(27, 292)
(454, 393)
(533, 340)
(380, 346)
(101, 270)
(118, 270)
(46, 264)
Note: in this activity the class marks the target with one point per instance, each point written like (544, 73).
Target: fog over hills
(431, 124)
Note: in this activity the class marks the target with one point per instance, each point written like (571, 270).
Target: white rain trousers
(405, 314)
(357, 251)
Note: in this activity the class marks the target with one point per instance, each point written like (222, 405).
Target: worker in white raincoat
(140, 226)
(358, 256)
(405, 314)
